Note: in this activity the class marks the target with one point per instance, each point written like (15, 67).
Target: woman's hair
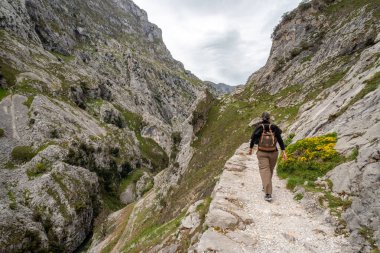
(265, 116)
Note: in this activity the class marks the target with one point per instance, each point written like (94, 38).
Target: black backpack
(267, 140)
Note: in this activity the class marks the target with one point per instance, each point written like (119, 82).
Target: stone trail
(240, 220)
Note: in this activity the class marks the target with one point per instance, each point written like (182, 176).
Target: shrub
(309, 159)
(1, 132)
(23, 153)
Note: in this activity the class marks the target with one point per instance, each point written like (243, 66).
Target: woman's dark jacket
(259, 130)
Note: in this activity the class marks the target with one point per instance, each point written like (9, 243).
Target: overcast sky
(222, 41)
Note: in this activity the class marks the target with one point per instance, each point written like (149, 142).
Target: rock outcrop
(325, 61)
(93, 94)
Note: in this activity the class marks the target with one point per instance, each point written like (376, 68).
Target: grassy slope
(227, 126)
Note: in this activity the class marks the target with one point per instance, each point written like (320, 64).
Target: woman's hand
(284, 155)
(250, 152)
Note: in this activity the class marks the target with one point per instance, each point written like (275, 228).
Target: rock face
(93, 94)
(326, 62)
(219, 89)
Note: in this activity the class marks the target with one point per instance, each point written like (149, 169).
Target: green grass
(10, 165)
(368, 235)
(298, 196)
(354, 154)
(38, 170)
(65, 58)
(29, 101)
(22, 154)
(3, 93)
(8, 72)
(307, 58)
(154, 153)
(12, 199)
(203, 208)
(153, 235)
(132, 178)
(25, 88)
(2, 132)
(341, 8)
(111, 202)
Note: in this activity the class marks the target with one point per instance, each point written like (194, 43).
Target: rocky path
(239, 220)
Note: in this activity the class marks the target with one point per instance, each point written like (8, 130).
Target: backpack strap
(270, 130)
(262, 134)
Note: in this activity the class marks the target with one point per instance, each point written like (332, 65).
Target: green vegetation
(9, 165)
(307, 58)
(126, 213)
(367, 234)
(152, 235)
(3, 93)
(341, 8)
(203, 208)
(111, 202)
(309, 159)
(1, 132)
(8, 73)
(289, 139)
(150, 150)
(62, 208)
(336, 204)
(298, 196)
(354, 154)
(26, 88)
(37, 170)
(23, 154)
(62, 57)
(370, 85)
(133, 177)
(29, 101)
(12, 199)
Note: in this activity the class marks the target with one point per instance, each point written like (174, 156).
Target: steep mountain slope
(91, 102)
(219, 89)
(322, 76)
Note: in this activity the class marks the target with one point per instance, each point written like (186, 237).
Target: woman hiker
(266, 136)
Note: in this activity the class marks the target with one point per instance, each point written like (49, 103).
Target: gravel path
(240, 220)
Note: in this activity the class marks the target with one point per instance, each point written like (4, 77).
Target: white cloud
(218, 40)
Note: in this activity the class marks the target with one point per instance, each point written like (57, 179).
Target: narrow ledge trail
(240, 220)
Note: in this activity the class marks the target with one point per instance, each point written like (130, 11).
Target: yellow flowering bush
(309, 159)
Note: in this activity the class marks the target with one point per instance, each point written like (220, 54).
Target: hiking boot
(268, 197)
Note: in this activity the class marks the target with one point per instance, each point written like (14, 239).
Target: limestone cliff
(322, 76)
(327, 56)
(94, 104)
(89, 95)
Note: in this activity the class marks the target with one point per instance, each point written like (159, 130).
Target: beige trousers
(267, 162)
